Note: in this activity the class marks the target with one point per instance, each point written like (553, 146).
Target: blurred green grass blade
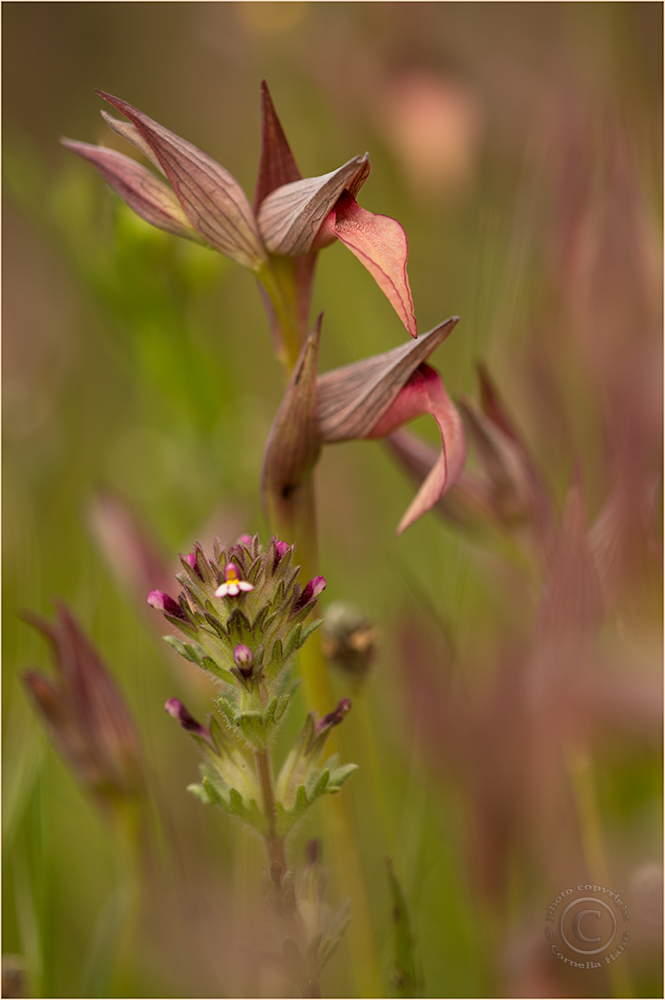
(21, 770)
(406, 973)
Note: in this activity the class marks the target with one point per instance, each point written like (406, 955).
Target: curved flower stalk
(294, 216)
(364, 400)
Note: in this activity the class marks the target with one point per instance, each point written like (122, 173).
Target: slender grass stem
(583, 783)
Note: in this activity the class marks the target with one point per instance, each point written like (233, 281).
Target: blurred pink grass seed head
(205, 202)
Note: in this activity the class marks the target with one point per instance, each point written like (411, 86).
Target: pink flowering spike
(160, 601)
(132, 134)
(145, 193)
(425, 393)
(291, 216)
(277, 165)
(351, 400)
(211, 197)
(380, 244)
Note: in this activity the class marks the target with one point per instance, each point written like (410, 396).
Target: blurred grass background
(520, 145)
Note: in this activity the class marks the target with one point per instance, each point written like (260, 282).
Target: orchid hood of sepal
(312, 212)
(212, 200)
(371, 398)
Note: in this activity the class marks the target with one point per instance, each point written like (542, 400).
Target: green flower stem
(274, 844)
(277, 278)
(301, 528)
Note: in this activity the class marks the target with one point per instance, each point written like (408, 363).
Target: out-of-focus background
(520, 145)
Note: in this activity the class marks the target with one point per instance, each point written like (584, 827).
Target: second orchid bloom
(367, 399)
(292, 216)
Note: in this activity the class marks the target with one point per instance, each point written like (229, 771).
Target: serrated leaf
(215, 796)
(309, 629)
(301, 798)
(235, 799)
(178, 645)
(293, 642)
(227, 708)
(281, 707)
(340, 775)
(200, 793)
(322, 782)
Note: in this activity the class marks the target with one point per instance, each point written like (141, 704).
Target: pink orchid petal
(290, 218)
(380, 244)
(425, 393)
(132, 134)
(145, 193)
(352, 399)
(211, 197)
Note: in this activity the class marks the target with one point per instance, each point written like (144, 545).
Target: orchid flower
(367, 399)
(292, 217)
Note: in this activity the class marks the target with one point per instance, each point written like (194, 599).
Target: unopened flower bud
(281, 548)
(192, 561)
(315, 587)
(177, 710)
(162, 602)
(335, 717)
(244, 659)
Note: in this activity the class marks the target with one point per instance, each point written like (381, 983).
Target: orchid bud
(315, 587)
(85, 714)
